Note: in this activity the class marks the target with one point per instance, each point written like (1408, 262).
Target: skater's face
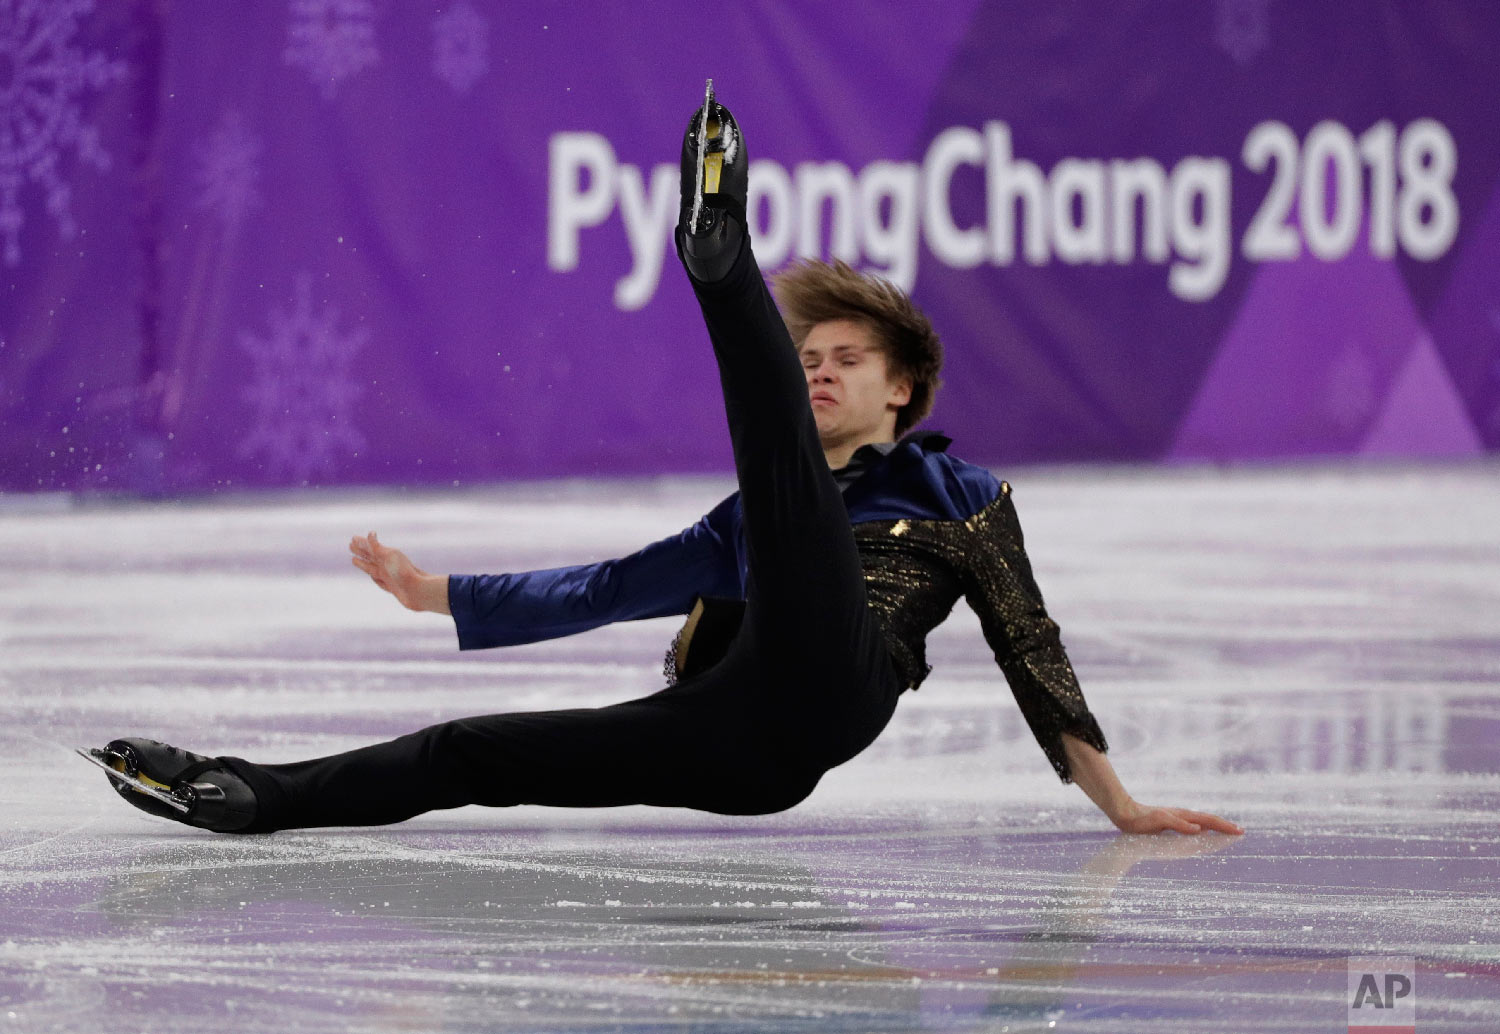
(854, 400)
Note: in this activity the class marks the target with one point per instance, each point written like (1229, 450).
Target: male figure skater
(810, 591)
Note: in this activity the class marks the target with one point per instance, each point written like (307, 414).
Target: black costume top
(929, 528)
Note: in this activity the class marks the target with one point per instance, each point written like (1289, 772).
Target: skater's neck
(838, 455)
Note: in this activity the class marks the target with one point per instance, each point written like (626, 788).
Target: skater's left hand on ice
(1144, 818)
(390, 569)
(1096, 777)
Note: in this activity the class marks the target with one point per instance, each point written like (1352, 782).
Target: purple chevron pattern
(1179, 232)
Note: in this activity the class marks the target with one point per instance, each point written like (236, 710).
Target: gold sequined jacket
(915, 571)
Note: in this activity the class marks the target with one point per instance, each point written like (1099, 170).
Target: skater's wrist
(1122, 812)
(1095, 776)
(431, 593)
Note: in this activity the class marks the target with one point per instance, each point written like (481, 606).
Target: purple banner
(353, 241)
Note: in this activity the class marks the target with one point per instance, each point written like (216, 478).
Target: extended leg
(679, 748)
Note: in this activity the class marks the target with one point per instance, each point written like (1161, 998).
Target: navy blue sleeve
(971, 487)
(664, 578)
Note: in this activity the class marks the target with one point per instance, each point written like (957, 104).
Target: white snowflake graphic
(42, 76)
(331, 40)
(1240, 28)
(302, 389)
(460, 46)
(227, 170)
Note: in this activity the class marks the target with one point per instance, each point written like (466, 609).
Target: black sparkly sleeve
(1000, 588)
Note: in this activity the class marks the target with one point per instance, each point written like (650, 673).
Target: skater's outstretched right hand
(390, 569)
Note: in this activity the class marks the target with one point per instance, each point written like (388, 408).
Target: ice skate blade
(695, 221)
(94, 756)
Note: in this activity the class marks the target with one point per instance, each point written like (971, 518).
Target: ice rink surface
(1313, 652)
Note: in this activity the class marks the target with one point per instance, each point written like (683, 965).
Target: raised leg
(806, 607)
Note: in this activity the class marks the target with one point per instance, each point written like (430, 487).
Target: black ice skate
(176, 784)
(714, 186)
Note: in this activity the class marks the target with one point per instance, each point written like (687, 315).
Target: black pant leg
(806, 606)
(693, 745)
(796, 525)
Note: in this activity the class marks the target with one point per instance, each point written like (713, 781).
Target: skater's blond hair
(810, 292)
